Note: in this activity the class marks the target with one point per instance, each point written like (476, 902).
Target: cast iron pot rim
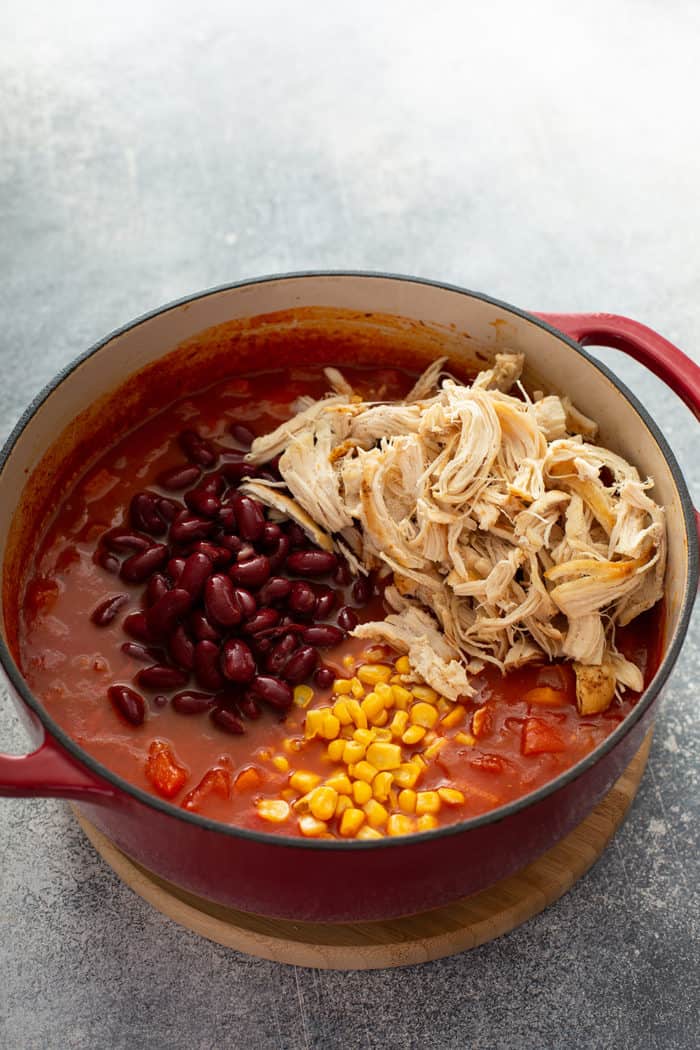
(416, 838)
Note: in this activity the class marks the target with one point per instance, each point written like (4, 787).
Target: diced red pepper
(248, 779)
(540, 738)
(164, 771)
(216, 781)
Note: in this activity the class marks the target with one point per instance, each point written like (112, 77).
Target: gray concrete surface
(547, 154)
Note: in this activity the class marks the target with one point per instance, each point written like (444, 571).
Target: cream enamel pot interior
(328, 880)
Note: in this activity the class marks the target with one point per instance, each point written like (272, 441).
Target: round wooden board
(453, 928)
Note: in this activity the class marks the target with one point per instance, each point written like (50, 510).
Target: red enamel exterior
(341, 881)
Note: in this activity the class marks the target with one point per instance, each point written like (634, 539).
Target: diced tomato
(248, 779)
(164, 771)
(540, 738)
(216, 781)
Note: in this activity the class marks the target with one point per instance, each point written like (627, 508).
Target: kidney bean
(159, 676)
(324, 677)
(263, 620)
(348, 618)
(261, 646)
(139, 567)
(230, 543)
(270, 535)
(107, 561)
(249, 516)
(158, 586)
(135, 625)
(162, 617)
(272, 690)
(160, 700)
(300, 664)
(129, 703)
(203, 502)
(250, 707)
(302, 597)
(236, 470)
(243, 434)
(325, 602)
(198, 449)
(144, 515)
(362, 590)
(245, 601)
(297, 536)
(342, 574)
(181, 648)
(227, 721)
(179, 477)
(323, 635)
(169, 508)
(219, 601)
(202, 629)
(190, 702)
(237, 661)
(312, 563)
(125, 540)
(227, 518)
(276, 590)
(140, 652)
(197, 570)
(108, 609)
(187, 527)
(174, 569)
(251, 573)
(278, 556)
(206, 665)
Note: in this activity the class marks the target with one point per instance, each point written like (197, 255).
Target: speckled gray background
(547, 154)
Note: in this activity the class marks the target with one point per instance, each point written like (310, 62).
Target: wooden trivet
(464, 924)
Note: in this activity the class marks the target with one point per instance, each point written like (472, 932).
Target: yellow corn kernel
(406, 775)
(357, 689)
(353, 752)
(263, 754)
(384, 756)
(381, 719)
(289, 794)
(430, 736)
(364, 771)
(399, 824)
(451, 796)
(465, 738)
(348, 661)
(311, 827)
(372, 705)
(313, 722)
(368, 833)
(281, 762)
(413, 735)
(335, 750)
(419, 762)
(383, 733)
(342, 686)
(370, 674)
(402, 697)
(386, 693)
(424, 692)
(377, 815)
(304, 780)
(427, 802)
(381, 786)
(453, 718)
(361, 792)
(322, 802)
(423, 714)
(330, 727)
(351, 822)
(407, 800)
(427, 822)
(364, 736)
(303, 694)
(342, 712)
(431, 751)
(343, 803)
(357, 714)
(340, 782)
(399, 723)
(403, 665)
(276, 810)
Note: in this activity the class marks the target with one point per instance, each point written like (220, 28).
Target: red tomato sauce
(518, 744)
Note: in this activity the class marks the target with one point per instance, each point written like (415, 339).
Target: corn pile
(381, 733)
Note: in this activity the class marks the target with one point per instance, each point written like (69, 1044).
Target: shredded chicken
(510, 537)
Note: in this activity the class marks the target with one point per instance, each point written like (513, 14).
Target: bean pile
(227, 595)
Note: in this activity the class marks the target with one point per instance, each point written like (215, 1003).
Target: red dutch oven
(332, 880)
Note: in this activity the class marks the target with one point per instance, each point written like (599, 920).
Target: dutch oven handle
(48, 772)
(643, 344)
